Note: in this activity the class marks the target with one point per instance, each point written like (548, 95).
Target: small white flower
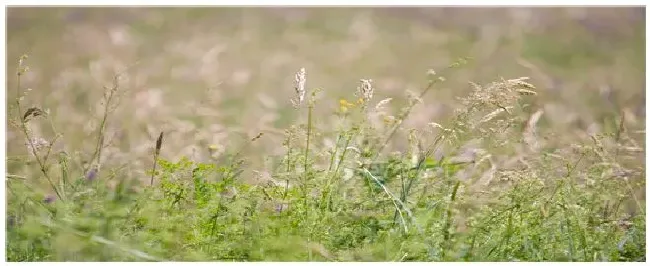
(36, 144)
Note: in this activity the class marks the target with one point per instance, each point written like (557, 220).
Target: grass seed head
(365, 91)
(382, 104)
(300, 80)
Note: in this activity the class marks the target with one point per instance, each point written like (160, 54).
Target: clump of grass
(489, 197)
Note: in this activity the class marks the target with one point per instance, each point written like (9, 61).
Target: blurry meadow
(413, 134)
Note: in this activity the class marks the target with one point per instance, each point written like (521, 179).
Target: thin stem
(394, 199)
(401, 119)
(335, 174)
(306, 162)
(25, 131)
(102, 126)
(431, 149)
(107, 105)
(334, 151)
(447, 226)
(345, 151)
(309, 125)
(403, 116)
(289, 151)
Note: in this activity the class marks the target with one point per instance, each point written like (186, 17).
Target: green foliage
(199, 211)
(367, 189)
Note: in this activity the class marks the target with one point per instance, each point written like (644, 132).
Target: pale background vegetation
(222, 75)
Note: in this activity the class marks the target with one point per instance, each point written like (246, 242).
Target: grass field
(329, 134)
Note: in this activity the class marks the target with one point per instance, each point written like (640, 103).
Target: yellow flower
(389, 119)
(344, 105)
(344, 102)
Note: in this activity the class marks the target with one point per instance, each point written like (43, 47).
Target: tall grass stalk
(402, 117)
(42, 162)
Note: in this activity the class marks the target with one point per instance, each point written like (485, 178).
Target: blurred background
(216, 77)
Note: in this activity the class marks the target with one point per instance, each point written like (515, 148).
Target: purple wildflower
(11, 221)
(92, 174)
(279, 207)
(49, 199)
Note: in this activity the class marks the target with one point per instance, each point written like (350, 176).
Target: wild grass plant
(505, 197)
(436, 134)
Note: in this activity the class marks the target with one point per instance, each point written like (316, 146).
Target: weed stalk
(25, 130)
